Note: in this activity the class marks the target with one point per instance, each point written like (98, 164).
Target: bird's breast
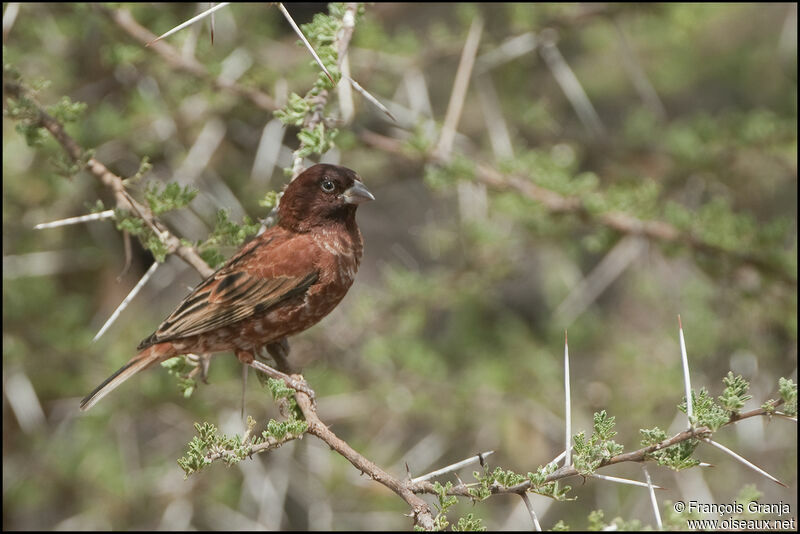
(339, 257)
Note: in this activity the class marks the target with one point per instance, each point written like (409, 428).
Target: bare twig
(510, 49)
(639, 455)
(126, 245)
(496, 125)
(9, 16)
(687, 382)
(24, 401)
(478, 458)
(743, 461)
(567, 406)
(638, 76)
(653, 500)
(191, 21)
(619, 480)
(569, 83)
(310, 48)
(124, 304)
(366, 94)
(107, 214)
(459, 92)
(532, 513)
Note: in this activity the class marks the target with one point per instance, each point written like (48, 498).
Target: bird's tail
(149, 356)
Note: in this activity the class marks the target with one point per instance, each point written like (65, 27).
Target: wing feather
(234, 293)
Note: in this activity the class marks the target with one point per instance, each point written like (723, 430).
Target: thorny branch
(110, 180)
(640, 455)
(557, 203)
(410, 489)
(124, 19)
(317, 114)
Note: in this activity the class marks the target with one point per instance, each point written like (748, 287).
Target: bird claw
(298, 383)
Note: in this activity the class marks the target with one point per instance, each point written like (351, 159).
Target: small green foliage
(171, 197)
(596, 520)
(195, 458)
(270, 200)
(420, 141)
(560, 526)
(66, 166)
(591, 453)
(321, 33)
(295, 111)
(788, 392)
(507, 478)
(144, 168)
(34, 135)
(128, 222)
(315, 136)
(66, 110)
(498, 477)
(179, 367)
(226, 233)
(280, 429)
(706, 411)
(596, 523)
(735, 394)
(443, 176)
(469, 524)
(316, 140)
(280, 390)
(97, 207)
(445, 502)
(156, 246)
(677, 457)
(547, 489)
(208, 445)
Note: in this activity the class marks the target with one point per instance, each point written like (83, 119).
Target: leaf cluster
(599, 448)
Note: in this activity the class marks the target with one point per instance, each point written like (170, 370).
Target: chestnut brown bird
(279, 284)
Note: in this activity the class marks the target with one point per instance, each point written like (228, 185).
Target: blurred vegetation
(450, 341)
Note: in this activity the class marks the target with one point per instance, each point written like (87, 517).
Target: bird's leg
(279, 350)
(201, 362)
(296, 382)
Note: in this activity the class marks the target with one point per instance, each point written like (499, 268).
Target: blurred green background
(450, 342)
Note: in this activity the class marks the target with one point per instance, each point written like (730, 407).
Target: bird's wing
(264, 273)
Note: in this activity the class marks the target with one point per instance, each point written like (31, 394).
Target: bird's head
(320, 196)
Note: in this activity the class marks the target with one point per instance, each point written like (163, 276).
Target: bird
(279, 284)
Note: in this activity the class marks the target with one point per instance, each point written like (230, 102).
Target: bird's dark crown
(318, 197)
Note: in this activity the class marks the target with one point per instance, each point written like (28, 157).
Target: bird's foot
(299, 384)
(296, 381)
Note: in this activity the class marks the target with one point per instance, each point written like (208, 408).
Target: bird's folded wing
(247, 285)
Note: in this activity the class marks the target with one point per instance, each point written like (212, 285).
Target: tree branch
(557, 203)
(124, 19)
(640, 455)
(109, 179)
(420, 509)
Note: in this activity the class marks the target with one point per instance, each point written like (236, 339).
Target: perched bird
(280, 283)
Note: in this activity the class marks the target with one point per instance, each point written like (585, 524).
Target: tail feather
(143, 360)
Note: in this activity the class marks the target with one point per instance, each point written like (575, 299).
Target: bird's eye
(328, 186)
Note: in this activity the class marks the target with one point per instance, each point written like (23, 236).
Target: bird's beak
(357, 194)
